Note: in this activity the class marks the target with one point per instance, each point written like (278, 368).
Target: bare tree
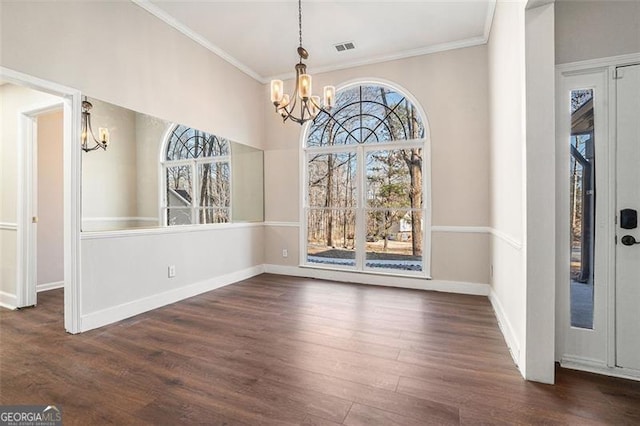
(413, 160)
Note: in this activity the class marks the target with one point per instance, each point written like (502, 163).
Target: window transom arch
(365, 185)
(196, 177)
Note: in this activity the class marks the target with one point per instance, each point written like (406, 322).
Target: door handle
(629, 240)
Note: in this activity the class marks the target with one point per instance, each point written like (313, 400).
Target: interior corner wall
(452, 88)
(540, 193)
(132, 59)
(595, 29)
(508, 170)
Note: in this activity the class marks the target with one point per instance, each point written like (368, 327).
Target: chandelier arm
(87, 129)
(90, 128)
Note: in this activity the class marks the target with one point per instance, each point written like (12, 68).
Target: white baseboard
(477, 289)
(8, 300)
(598, 367)
(136, 307)
(49, 286)
(506, 328)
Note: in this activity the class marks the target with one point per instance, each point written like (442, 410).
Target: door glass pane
(331, 236)
(582, 207)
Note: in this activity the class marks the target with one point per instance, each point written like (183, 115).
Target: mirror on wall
(155, 173)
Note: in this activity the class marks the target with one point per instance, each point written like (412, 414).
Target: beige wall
(137, 62)
(150, 133)
(50, 199)
(247, 184)
(130, 58)
(452, 88)
(109, 188)
(596, 29)
(120, 185)
(13, 99)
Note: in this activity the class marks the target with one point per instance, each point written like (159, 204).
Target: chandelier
(309, 105)
(103, 133)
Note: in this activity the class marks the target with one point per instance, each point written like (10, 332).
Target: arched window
(365, 186)
(197, 178)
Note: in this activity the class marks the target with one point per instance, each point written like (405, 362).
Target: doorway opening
(32, 162)
(30, 104)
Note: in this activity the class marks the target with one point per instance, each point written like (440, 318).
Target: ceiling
(261, 37)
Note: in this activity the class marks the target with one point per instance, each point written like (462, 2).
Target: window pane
(331, 236)
(381, 190)
(366, 114)
(332, 180)
(394, 239)
(179, 216)
(394, 178)
(214, 184)
(185, 143)
(179, 186)
(213, 215)
(582, 207)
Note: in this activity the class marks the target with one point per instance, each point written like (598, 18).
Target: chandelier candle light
(309, 104)
(103, 133)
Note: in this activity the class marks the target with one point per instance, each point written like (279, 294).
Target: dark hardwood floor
(279, 350)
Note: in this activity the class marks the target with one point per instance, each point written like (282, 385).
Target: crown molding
(489, 20)
(171, 21)
(458, 44)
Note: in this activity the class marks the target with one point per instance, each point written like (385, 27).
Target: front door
(628, 203)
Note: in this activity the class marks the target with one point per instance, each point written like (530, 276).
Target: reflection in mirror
(156, 173)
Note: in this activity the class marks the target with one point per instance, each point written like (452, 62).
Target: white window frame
(195, 182)
(361, 209)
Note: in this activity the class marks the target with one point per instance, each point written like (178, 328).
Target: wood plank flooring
(279, 350)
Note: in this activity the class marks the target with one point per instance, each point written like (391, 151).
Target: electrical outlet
(285, 253)
(172, 271)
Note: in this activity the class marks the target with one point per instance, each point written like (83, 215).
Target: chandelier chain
(300, 21)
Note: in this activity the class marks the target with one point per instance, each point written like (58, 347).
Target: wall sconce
(102, 141)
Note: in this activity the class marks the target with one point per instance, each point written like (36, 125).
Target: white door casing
(628, 197)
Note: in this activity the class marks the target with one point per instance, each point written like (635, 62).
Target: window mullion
(361, 237)
(195, 199)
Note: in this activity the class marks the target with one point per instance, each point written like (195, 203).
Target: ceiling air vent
(341, 47)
